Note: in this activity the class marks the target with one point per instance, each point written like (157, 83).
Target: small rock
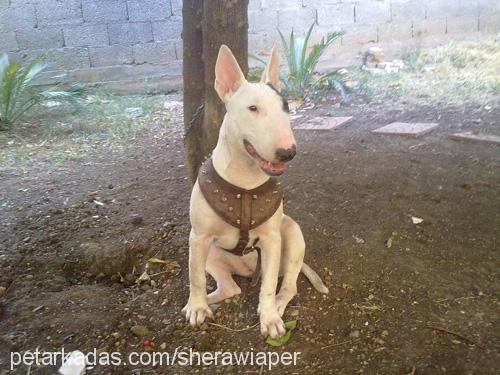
(354, 334)
(2, 290)
(416, 220)
(294, 313)
(139, 331)
(163, 346)
(136, 220)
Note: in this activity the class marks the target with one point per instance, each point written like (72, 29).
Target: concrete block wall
(129, 40)
(90, 39)
(395, 25)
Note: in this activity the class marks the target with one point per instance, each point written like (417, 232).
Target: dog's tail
(314, 278)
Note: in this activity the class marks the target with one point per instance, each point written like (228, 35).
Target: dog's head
(259, 123)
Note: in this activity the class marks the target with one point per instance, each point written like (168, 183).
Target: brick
(281, 4)
(336, 16)
(166, 30)
(176, 7)
(262, 20)
(408, 11)
(41, 37)
(254, 5)
(372, 12)
(463, 24)
(154, 53)
(427, 28)
(62, 58)
(149, 10)
(130, 33)
(473, 137)
(489, 23)
(319, 3)
(17, 17)
(98, 11)
(392, 31)
(406, 129)
(360, 34)
(57, 12)
(488, 6)
(262, 43)
(111, 55)
(324, 123)
(8, 42)
(451, 8)
(298, 20)
(86, 35)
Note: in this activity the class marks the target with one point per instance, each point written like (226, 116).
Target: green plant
(17, 94)
(301, 78)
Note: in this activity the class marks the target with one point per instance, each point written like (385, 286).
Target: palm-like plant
(302, 63)
(17, 95)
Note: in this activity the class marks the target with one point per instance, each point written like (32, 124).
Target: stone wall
(122, 42)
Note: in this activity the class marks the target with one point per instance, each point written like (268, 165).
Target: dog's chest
(242, 209)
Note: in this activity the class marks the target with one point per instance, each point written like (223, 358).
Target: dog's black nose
(286, 154)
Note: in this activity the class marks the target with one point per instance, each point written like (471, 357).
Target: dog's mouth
(272, 169)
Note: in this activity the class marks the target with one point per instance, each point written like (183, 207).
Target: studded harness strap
(241, 208)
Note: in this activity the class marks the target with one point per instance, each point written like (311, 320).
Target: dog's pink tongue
(278, 167)
(273, 167)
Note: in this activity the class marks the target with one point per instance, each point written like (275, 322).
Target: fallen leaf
(278, 341)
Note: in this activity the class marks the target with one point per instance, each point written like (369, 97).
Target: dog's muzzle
(286, 154)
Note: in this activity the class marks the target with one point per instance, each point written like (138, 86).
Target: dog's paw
(271, 324)
(196, 313)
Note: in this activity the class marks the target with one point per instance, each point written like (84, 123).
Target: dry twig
(459, 335)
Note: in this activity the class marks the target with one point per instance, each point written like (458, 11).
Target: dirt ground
(404, 298)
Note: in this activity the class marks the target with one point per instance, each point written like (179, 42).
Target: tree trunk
(194, 78)
(223, 22)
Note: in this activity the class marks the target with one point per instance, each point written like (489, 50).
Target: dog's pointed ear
(228, 75)
(271, 73)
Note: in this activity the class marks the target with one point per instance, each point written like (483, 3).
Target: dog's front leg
(197, 308)
(270, 320)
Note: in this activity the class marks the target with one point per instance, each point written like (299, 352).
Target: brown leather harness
(241, 208)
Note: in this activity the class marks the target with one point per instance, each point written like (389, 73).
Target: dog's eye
(253, 108)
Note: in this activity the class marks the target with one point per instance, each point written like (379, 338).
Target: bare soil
(404, 298)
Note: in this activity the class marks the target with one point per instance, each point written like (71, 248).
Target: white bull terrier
(255, 142)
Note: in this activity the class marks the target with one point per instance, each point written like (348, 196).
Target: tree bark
(194, 78)
(222, 22)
